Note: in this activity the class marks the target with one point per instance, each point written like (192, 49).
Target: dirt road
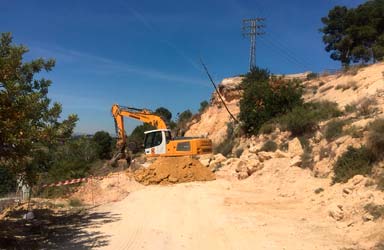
(216, 215)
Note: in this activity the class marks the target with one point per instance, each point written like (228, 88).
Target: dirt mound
(112, 188)
(169, 170)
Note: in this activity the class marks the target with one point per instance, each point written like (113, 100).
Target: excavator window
(153, 139)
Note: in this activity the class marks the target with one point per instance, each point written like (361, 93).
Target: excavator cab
(155, 141)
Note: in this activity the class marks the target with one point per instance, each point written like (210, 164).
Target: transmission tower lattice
(251, 29)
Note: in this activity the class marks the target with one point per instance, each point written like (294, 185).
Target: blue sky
(146, 53)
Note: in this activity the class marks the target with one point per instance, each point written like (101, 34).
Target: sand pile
(112, 188)
(166, 170)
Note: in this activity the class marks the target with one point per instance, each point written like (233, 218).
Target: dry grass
(349, 85)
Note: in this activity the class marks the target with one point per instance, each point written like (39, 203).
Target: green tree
(355, 35)
(29, 123)
(203, 105)
(164, 113)
(137, 135)
(184, 116)
(265, 97)
(104, 144)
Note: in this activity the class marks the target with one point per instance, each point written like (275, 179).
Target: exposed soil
(169, 170)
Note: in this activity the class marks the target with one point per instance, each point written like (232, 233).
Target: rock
(281, 154)
(322, 169)
(172, 179)
(264, 156)
(29, 216)
(347, 190)
(295, 148)
(242, 175)
(205, 162)
(214, 166)
(219, 158)
(368, 217)
(255, 148)
(295, 161)
(241, 166)
(336, 212)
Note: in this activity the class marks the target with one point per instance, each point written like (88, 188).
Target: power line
(251, 29)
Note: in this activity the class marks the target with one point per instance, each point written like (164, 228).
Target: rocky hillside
(304, 168)
(362, 87)
(213, 122)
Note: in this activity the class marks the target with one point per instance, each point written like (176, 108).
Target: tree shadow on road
(54, 230)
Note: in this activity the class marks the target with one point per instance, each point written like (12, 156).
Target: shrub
(306, 157)
(75, 202)
(354, 132)
(375, 140)
(353, 162)
(269, 146)
(319, 190)
(203, 106)
(225, 147)
(303, 119)
(299, 121)
(7, 181)
(380, 182)
(348, 85)
(334, 129)
(325, 110)
(376, 211)
(321, 84)
(350, 108)
(238, 152)
(365, 106)
(312, 75)
(266, 97)
(104, 144)
(267, 128)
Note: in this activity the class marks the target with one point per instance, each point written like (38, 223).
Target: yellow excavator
(158, 142)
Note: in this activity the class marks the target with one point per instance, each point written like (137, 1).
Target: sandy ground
(258, 213)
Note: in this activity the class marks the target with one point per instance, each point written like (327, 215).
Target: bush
(238, 152)
(303, 119)
(348, 85)
(354, 132)
(104, 144)
(306, 157)
(203, 106)
(365, 106)
(376, 211)
(299, 121)
(375, 140)
(353, 162)
(7, 181)
(266, 97)
(225, 147)
(350, 108)
(75, 202)
(334, 129)
(312, 75)
(269, 146)
(267, 128)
